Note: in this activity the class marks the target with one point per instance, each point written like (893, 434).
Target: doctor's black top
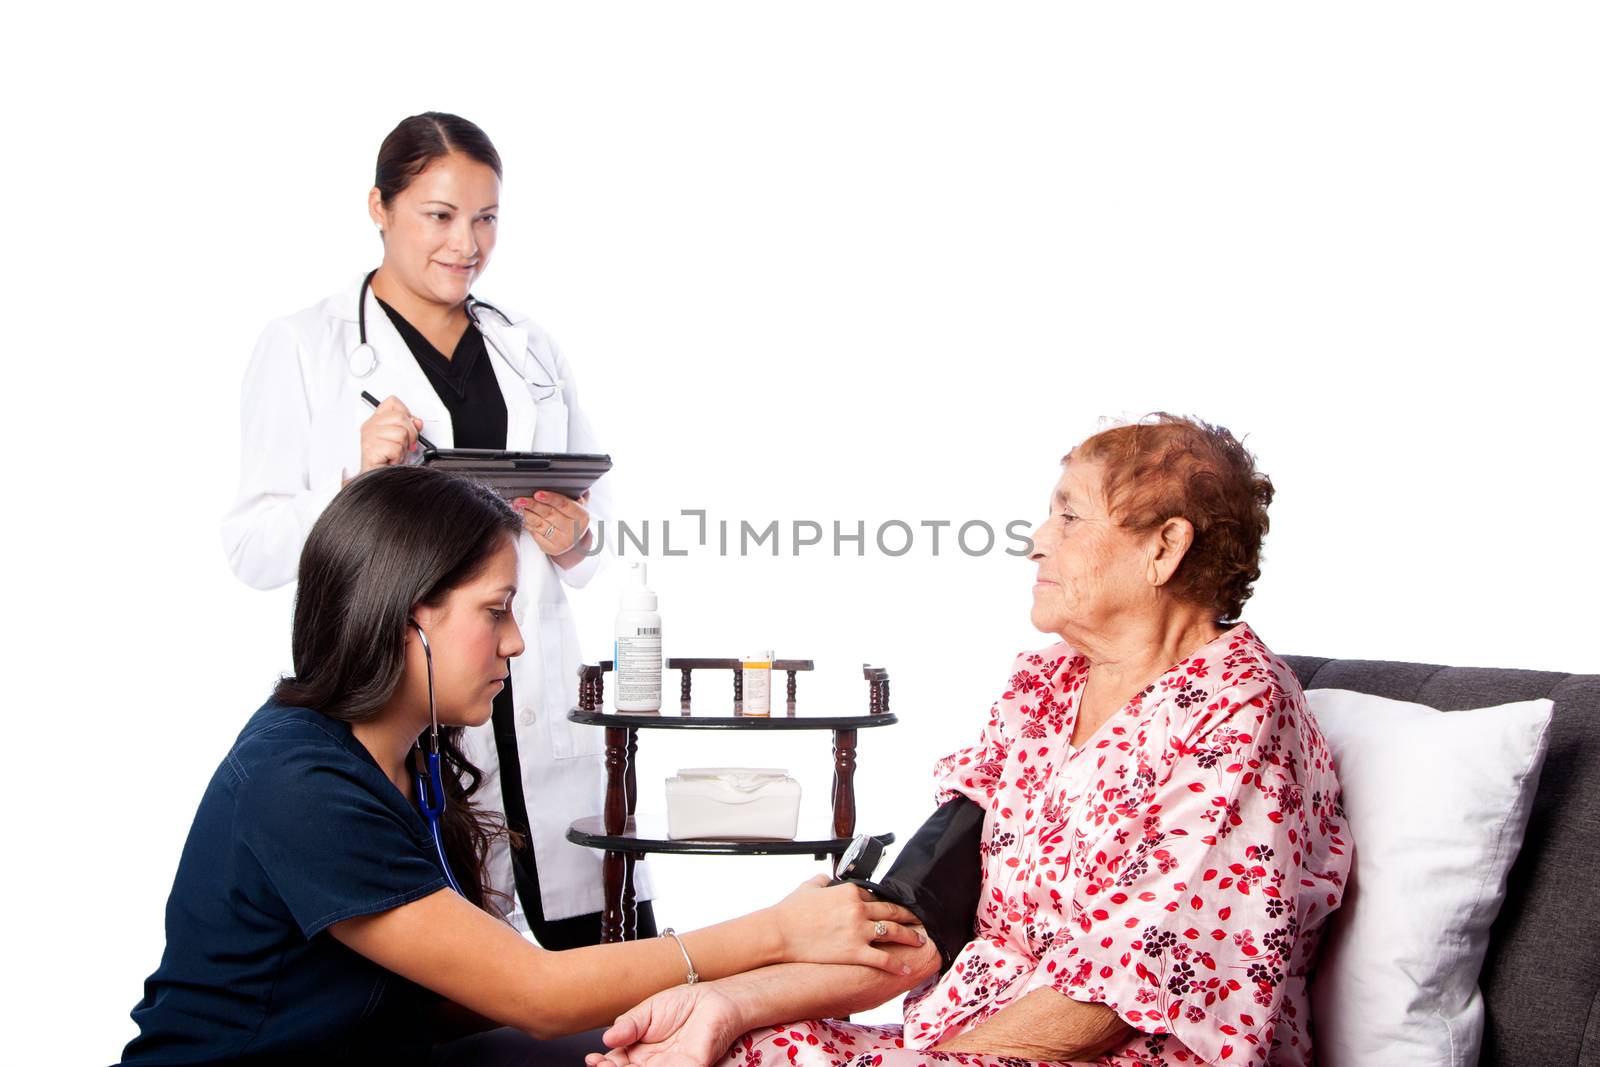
(464, 380)
(299, 829)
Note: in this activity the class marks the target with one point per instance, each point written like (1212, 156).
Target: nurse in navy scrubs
(312, 918)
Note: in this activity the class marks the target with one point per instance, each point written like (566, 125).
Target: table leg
(844, 783)
(630, 907)
(630, 910)
(632, 773)
(611, 921)
(616, 809)
(613, 868)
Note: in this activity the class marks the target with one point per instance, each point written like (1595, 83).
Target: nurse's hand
(820, 923)
(388, 435)
(558, 525)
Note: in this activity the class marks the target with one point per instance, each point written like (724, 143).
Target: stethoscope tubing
(430, 782)
(472, 306)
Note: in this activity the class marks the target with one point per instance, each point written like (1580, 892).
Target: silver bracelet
(670, 932)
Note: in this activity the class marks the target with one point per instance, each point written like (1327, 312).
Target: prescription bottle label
(638, 670)
(757, 686)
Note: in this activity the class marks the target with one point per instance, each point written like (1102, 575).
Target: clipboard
(520, 474)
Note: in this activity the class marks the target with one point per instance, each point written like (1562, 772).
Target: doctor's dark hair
(392, 539)
(421, 139)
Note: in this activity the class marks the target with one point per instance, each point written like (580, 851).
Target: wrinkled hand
(687, 1026)
(836, 924)
(557, 524)
(388, 435)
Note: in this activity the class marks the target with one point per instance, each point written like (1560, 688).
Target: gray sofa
(1541, 981)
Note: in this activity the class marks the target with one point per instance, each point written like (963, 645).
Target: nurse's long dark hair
(392, 539)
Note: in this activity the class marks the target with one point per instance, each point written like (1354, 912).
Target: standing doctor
(464, 374)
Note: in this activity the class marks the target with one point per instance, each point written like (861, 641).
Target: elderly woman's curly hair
(1168, 466)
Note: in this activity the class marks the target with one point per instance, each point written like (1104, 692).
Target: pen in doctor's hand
(374, 401)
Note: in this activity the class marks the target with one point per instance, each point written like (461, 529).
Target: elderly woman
(1163, 840)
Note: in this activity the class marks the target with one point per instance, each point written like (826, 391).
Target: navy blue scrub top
(298, 830)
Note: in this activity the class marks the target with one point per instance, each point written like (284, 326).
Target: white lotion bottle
(636, 656)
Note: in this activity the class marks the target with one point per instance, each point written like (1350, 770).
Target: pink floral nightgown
(1177, 868)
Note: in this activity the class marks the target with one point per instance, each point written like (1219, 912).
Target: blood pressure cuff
(938, 876)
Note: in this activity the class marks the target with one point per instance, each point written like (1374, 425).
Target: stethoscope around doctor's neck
(364, 360)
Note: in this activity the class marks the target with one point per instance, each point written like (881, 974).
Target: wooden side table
(617, 832)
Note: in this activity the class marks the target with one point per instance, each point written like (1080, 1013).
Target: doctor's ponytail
(421, 139)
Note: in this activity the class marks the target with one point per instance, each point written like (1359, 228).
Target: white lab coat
(302, 412)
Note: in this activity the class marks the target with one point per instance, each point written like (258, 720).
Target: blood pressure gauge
(860, 859)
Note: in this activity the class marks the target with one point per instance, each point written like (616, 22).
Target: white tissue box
(733, 803)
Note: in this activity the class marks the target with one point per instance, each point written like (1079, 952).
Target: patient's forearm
(1044, 1025)
(789, 991)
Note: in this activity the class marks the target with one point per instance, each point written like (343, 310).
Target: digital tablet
(515, 474)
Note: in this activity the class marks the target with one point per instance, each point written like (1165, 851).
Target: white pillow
(1437, 804)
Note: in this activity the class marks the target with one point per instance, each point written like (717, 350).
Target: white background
(824, 261)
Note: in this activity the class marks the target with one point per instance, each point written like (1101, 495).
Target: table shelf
(652, 838)
(683, 720)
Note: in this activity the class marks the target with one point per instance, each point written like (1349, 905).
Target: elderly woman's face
(1091, 570)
